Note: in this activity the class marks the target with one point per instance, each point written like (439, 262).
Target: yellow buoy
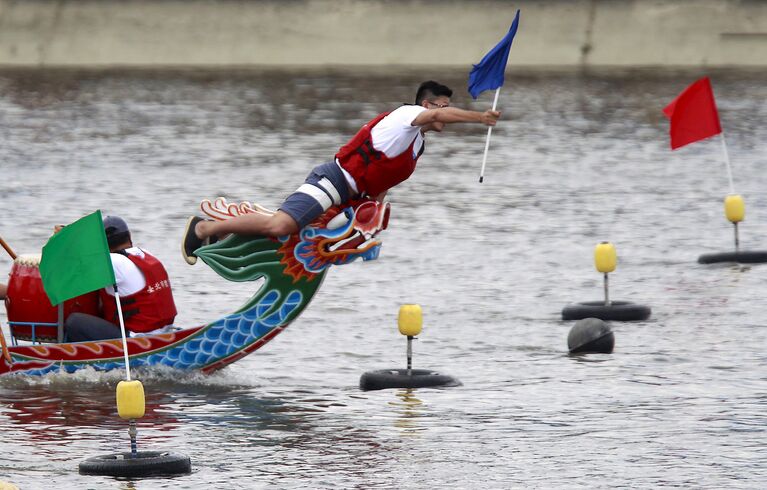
(130, 399)
(605, 257)
(734, 208)
(410, 320)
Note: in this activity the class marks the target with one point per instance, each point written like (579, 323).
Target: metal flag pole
(122, 331)
(727, 163)
(487, 141)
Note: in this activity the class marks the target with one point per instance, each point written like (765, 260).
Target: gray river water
(577, 159)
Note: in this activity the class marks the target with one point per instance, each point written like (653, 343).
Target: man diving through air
(383, 153)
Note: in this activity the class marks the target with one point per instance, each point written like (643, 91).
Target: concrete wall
(376, 32)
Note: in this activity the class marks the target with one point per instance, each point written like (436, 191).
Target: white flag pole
(727, 163)
(487, 141)
(122, 330)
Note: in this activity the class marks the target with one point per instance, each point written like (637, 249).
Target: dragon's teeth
(365, 243)
(340, 243)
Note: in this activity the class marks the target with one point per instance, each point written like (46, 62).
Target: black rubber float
(590, 335)
(142, 463)
(742, 257)
(617, 310)
(399, 378)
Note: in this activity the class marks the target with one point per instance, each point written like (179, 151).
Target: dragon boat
(293, 268)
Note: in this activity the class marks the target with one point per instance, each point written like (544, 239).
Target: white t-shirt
(129, 277)
(394, 133)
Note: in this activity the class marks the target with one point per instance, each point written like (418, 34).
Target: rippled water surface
(577, 159)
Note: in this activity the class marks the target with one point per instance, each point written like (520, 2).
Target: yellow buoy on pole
(410, 320)
(130, 399)
(605, 260)
(605, 257)
(130, 406)
(734, 208)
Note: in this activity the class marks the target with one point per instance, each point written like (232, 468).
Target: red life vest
(372, 170)
(148, 309)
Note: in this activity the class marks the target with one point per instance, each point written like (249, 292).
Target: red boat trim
(103, 350)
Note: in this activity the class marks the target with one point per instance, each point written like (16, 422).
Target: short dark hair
(118, 239)
(116, 230)
(431, 89)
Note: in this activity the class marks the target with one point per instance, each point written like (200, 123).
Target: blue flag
(488, 73)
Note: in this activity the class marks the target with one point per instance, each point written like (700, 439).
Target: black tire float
(741, 257)
(142, 463)
(623, 311)
(399, 378)
(409, 321)
(590, 335)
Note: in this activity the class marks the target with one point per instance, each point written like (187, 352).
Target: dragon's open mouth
(366, 222)
(351, 243)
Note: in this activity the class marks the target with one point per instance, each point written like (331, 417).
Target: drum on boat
(30, 313)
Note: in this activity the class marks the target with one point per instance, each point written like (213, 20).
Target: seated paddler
(382, 154)
(144, 288)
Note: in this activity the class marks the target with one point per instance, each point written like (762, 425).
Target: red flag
(693, 114)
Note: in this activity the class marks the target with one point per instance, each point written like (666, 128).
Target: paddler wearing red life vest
(383, 153)
(144, 289)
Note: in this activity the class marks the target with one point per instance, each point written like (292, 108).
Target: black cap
(116, 230)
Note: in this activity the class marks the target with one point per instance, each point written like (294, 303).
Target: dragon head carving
(338, 237)
(350, 234)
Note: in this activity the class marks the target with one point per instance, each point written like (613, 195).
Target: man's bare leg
(274, 225)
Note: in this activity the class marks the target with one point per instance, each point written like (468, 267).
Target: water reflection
(408, 410)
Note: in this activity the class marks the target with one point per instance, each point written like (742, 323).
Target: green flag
(76, 260)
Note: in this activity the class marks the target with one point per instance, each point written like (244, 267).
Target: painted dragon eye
(338, 221)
